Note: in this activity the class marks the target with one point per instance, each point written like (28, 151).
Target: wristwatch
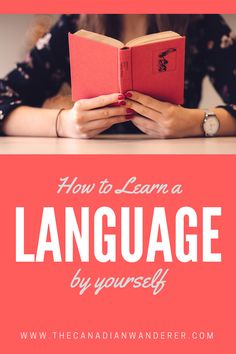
(210, 124)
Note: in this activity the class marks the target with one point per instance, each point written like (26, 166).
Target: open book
(151, 64)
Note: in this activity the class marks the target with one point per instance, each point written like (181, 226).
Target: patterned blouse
(211, 50)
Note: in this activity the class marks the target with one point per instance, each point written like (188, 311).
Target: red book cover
(155, 69)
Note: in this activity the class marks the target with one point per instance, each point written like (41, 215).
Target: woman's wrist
(195, 116)
(61, 122)
(57, 121)
(227, 122)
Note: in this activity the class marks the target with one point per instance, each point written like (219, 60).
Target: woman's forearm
(29, 121)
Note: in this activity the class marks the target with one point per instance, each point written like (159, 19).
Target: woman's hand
(164, 120)
(90, 117)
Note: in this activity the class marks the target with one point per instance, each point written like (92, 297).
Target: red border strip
(114, 6)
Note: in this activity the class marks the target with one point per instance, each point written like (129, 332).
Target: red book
(152, 64)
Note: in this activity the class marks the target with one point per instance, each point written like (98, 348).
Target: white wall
(13, 30)
(13, 35)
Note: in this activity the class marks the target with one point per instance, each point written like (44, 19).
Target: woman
(211, 50)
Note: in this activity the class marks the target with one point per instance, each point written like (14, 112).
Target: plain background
(13, 29)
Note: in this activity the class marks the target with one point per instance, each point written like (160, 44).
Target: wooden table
(118, 144)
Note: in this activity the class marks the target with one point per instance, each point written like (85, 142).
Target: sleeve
(42, 72)
(221, 60)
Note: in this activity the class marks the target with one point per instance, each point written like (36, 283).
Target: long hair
(110, 25)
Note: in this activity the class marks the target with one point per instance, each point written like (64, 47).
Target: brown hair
(107, 24)
(111, 24)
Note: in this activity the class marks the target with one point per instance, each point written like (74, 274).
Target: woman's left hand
(164, 120)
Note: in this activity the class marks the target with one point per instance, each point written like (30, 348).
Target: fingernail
(128, 94)
(121, 97)
(130, 111)
(129, 117)
(122, 103)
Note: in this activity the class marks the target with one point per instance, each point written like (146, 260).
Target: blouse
(210, 51)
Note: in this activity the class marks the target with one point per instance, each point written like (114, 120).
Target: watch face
(211, 126)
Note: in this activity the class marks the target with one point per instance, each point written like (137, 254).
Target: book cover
(155, 69)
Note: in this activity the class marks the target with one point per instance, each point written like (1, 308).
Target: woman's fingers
(101, 113)
(99, 124)
(91, 134)
(145, 122)
(147, 101)
(144, 110)
(97, 102)
(148, 127)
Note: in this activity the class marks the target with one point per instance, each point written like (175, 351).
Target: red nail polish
(121, 97)
(130, 111)
(122, 103)
(128, 94)
(129, 117)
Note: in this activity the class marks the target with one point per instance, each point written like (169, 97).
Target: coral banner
(108, 6)
(117, 253)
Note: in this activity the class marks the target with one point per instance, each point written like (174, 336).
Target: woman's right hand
(90, 117)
